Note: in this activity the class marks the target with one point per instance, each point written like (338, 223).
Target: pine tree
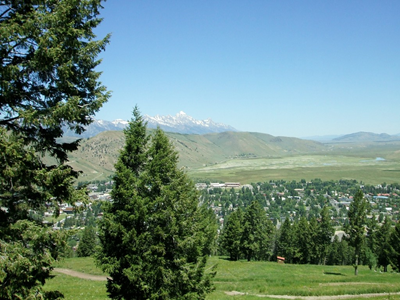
(324, 234)
(47, 80)
(357, 223)
(87, 244)
(257, 233)
(232, 234)
(285, 245)
(394, 251)
(372, 235)
(155, 235)
(383, 248)
(304, 239)
(314, 243)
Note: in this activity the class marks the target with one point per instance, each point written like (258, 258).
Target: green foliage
(305, 241)
(87, 244)
(394, 254)
(357, 224)
(47, 80)
(48, 76)
(324, 235)
(232, 235)
(28, 251)
(383, 247)
(155, 236)
(286, 242)
(257, 233)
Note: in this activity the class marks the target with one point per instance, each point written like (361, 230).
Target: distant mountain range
(180, 123)
(185, 124)
(97, 156)
(366, 137)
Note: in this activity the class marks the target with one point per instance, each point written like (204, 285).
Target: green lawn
(80, 264)
(267, 278)
(54, 220)
(76, 288)
(255, 279)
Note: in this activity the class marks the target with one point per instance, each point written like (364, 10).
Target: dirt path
(234, 293)
(80, 275)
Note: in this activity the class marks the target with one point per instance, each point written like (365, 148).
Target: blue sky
(288, 68)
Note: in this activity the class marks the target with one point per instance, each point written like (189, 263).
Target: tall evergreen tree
(232, 234)
(87, 244)
(257, 233)
(357, 224)
(48, 79)
(383, 248)
(394, 254)
(304, 240)
(314, 240)
(324, 234)
(372, 235)
(155, 236)
(285, 245)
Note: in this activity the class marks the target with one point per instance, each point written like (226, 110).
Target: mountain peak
(183, 123)
(180, 123)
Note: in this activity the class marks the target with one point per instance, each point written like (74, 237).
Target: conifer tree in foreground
(155, 236)
(48, 79)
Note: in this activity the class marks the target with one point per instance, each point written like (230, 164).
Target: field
(369, 169)
(252, 280)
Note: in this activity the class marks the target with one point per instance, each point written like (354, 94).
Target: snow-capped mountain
(96, 127)
(183, 123)
(119, 123)
(180, 123)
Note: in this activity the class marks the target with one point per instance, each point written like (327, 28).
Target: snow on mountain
(180, 123)
(183, 123)
(120, 123)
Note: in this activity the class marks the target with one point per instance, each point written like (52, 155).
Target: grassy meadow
(325, 166)
(251, 280)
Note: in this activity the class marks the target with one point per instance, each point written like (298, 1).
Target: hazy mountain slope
(366, 137)
(101, 152)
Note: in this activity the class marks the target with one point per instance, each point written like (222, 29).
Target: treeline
(249, 234)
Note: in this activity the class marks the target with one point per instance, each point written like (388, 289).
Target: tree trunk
(356, 266)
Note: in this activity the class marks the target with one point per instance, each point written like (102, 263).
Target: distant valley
(195, 151)
(223, 153)
(252, 157)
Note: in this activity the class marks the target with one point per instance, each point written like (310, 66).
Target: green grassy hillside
(252, 157)
(252, 280)
(97, 155)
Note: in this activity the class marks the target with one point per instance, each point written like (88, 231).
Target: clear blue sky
(288, 68)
